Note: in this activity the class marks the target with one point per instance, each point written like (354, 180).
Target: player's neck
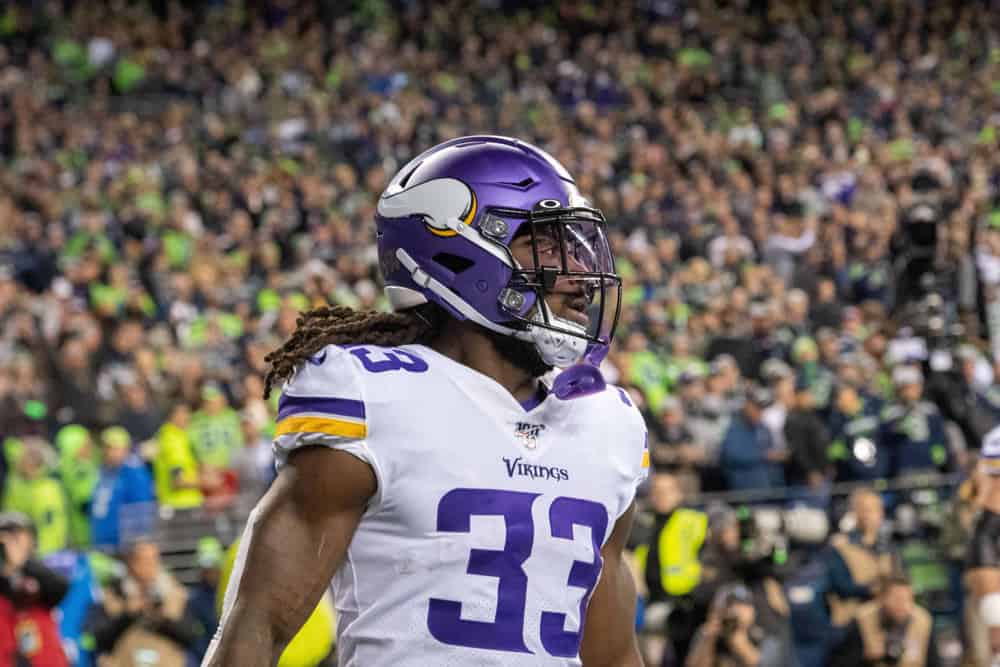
(470, 347)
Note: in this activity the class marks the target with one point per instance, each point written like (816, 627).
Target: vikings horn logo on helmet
(444, 204)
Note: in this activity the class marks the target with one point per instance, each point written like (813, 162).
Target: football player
(468, 512)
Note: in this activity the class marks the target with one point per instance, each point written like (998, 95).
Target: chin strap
(582, 378)
(578, 380)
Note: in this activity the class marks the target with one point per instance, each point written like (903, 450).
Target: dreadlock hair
(341, 325)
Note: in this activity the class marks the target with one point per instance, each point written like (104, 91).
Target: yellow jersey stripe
(338, 427)
(645, 459)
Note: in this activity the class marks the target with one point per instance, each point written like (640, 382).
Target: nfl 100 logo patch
(528, 433)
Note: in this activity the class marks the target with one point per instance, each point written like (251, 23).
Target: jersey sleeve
(634, 448)
(642, 470)
(323, 404)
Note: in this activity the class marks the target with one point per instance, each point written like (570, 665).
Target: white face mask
(557, 348)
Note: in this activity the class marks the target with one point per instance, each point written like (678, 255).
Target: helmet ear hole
(454, 263)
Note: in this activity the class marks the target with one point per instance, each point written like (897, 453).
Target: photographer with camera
(746, 570)
(141, 619)
(858, 559)
(29, 591)
(890, 630)
(730, 637)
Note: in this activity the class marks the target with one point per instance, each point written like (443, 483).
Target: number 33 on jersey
(483, 542)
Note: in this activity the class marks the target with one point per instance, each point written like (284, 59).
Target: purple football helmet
(445, 225)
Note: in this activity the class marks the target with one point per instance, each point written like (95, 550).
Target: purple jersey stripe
(342, 407)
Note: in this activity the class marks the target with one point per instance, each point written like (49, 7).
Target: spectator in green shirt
(175, 469)
(682, 359)
(78, 472)
(31, 491)
(646, 370)
(216, 438)
(216, 434)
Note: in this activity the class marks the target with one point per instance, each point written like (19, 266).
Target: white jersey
(482, 543)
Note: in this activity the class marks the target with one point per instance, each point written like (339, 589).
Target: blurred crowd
(805, 208)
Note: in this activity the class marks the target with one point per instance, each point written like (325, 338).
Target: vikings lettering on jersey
(483, 542)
